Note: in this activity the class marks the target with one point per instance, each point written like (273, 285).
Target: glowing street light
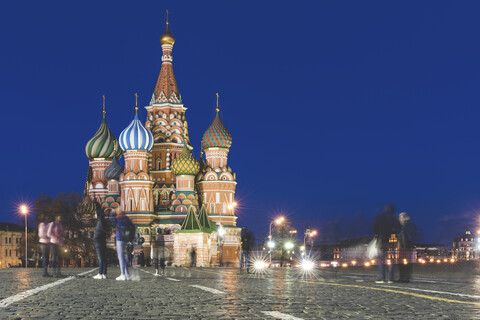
(289, 245)
(271, 244)
(24, 210)
(276, 221)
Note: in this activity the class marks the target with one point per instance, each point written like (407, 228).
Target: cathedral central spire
(166, 89)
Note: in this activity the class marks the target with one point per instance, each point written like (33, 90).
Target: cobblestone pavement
(205, 293)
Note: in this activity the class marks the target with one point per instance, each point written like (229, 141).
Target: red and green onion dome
(185, 163)
(114, 169)
(103, 144)
(216, 136)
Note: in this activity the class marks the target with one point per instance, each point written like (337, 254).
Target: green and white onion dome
(103, 144)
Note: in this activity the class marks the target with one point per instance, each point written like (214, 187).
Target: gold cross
(136, 101)
(103, 106)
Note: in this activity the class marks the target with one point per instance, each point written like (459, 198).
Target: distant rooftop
(7, 226)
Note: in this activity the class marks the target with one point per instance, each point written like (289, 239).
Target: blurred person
(246, 247)
(56, 234)
(384, 226)
(100, 239)
(121, 222)
(44, 241)
(407, 236)
(193, 257)
(158, 253)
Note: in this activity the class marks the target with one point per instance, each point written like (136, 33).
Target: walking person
(246, 246)
(158, 253)
(384, 226)
(120, 221)
(44, 244)
(408, 234)
(193, 257)
(100, 239)
(56, 234)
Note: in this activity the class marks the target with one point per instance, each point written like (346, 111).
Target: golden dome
(167, 37)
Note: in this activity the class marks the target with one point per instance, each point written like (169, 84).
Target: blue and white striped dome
(136, 136)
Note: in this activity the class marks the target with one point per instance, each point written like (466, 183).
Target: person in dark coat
(246, 247)
(100, 239)
(384, 226)
(193, 257)
(408, 234)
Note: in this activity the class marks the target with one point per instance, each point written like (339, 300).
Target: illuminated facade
(162, 186)
(464, 247)
(12, 244)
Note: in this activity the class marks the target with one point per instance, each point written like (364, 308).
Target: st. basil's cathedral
(162, 188)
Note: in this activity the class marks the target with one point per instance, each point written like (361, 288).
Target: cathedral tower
(135, 182)
(185, 168)
(216, 183)
(166, 121)
(100, 150)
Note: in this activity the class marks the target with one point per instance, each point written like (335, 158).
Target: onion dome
(136, 136)
(185, 163)
(113, 170)
(86, 206)
(167, 37)
(216, 135)
(103, 144)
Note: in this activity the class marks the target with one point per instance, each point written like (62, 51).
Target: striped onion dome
(86, 206)
(185, 163)
(113, 170)
(136, 136)
(103, 144)
(216, 135)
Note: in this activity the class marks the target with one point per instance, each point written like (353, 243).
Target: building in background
(12, 244)
(161, 181)
(432, 252)
(464, 248)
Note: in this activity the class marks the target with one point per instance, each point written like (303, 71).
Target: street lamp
(289, 245)
(309, 233)
(24, 211)
(276, 221)
(221, 232)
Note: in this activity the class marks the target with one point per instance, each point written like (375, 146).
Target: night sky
(335, 108)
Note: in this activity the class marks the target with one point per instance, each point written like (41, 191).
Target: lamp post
(311, 234)
(221, 233)
(24, 211)
(271, 244)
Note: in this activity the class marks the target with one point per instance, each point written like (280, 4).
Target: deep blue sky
(335, 107)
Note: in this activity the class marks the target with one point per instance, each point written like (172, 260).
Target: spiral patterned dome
(185, 163)
(113, 170)
(136, 136)
(216, 135)
(86, 206)
(103, 144)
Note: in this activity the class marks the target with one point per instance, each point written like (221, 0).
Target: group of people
(386, 224)
(51, 236)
